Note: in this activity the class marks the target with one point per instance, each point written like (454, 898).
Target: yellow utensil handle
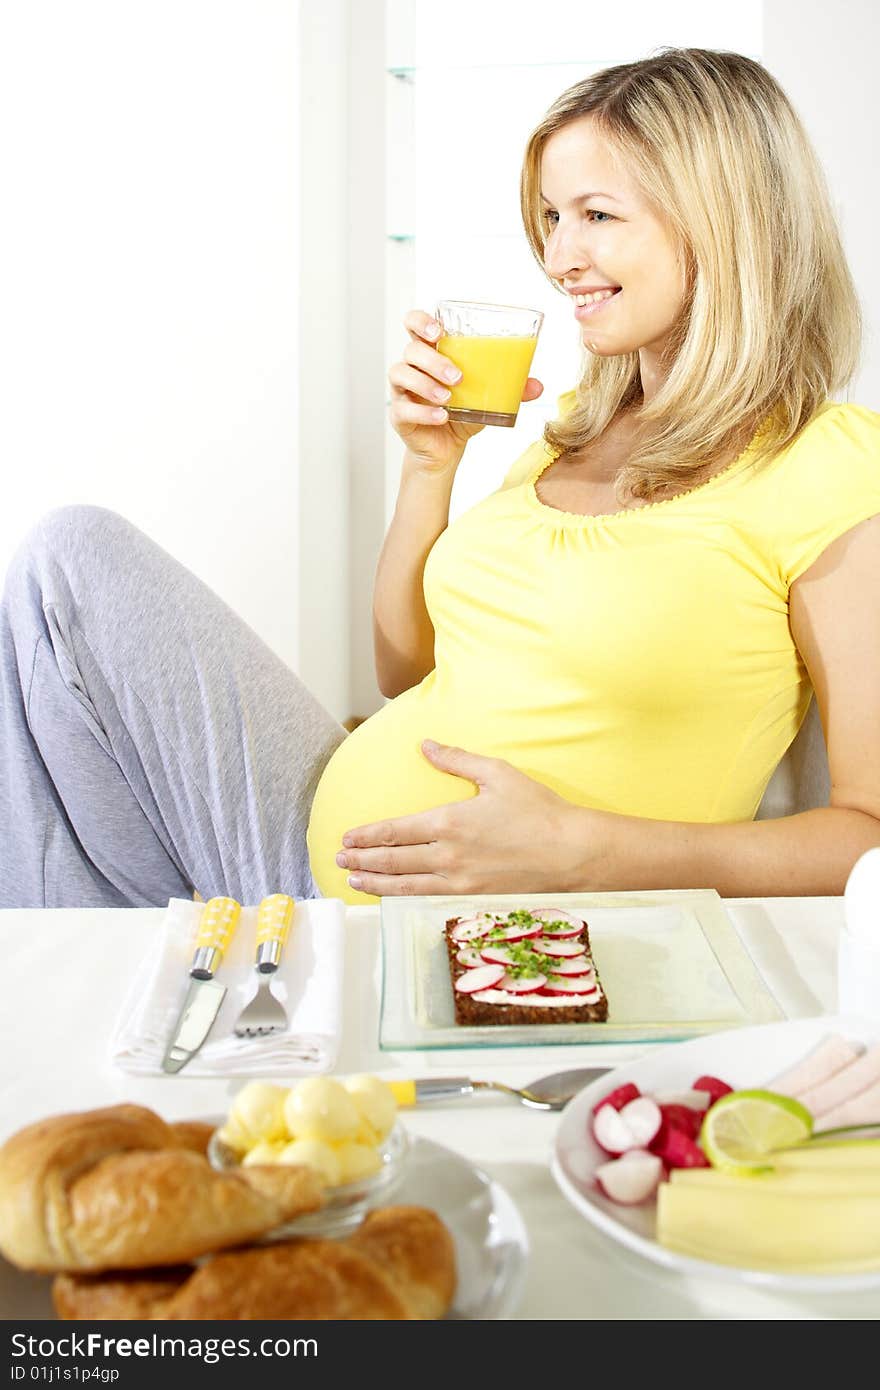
(404, 1092)
(274, 917)
(220, 917)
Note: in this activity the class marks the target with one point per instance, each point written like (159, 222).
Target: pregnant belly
(379, 772)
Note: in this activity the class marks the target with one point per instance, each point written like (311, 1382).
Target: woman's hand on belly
(515, 835)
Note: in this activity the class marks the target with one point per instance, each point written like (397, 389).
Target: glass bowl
(345, 1206)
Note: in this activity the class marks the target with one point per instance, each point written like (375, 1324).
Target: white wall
(193, 189)
(149, 277)
(827, 62)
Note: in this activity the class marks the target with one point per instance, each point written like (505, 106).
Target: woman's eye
(551, 218)
(596, 213)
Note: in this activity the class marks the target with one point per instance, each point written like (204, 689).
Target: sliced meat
(861, 1109)
(830, 1057)
(843, 1085)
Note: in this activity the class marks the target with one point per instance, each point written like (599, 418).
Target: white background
(198, 295)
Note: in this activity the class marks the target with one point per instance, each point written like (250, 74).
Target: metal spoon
(546, 1093)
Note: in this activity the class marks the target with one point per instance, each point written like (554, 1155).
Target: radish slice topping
(572, 984)
(525, 984)
(558, 948)
(575, 965)
(518, 933)
(469, 955)
(483, 977)
(495, 955)
(573, 925)
(631, 1179)
(468, 927)
(537, 999)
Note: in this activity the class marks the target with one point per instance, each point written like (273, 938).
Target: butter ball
(376, 1105)
(257, 1112)
(234, 1137)
(320, 1108)
(356, 1161)
(262, 1153)
(313, 1153)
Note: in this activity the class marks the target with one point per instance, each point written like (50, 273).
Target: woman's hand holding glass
(420, 385)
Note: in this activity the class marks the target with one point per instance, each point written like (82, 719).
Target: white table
(64, 972)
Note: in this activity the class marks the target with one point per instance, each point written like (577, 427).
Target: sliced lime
(741, 1130)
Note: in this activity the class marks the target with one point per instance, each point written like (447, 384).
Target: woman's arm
(515, 835)
(403, 637)
(835, 621)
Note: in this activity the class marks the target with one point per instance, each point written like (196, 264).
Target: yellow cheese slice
(754, 1226)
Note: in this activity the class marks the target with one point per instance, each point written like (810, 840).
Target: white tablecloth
(64, 972)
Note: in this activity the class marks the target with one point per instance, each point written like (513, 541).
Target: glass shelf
(465, 236)
(408, 74)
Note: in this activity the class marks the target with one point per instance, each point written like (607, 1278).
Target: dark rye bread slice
(472, 1012)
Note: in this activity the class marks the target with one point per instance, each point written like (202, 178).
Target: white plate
(743, 1058)
(491, 1244)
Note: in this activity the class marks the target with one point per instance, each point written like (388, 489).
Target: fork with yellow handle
(265, 1014)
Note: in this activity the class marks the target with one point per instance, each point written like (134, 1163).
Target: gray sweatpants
(150, 742)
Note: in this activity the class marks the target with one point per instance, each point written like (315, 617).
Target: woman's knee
(80, 532)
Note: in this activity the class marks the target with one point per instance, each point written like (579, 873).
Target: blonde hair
(771, 324)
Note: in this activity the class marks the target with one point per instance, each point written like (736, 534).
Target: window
(467, 82)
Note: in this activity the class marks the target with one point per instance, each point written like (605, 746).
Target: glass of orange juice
(492, 345)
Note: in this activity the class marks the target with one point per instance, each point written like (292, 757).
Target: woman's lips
(585, 311)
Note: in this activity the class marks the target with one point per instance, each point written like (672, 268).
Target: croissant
(399, 1264)
(118, 1188)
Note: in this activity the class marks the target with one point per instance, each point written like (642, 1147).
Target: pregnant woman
(594, 671)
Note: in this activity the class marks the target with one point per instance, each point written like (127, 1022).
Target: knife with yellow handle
(217, 924)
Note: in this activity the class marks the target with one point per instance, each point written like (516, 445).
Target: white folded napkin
(308, 982)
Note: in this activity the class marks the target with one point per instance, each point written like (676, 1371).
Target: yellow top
(638, 662)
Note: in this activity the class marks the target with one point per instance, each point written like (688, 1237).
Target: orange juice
(494, 371)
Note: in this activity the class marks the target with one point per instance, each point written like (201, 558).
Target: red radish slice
(573, 925)
(644, 1118)
(694, 1100)
(632, 1127)
(610, 1132)
(678, 1150)
(558, 914)
(466, 928)
(514, 933)
(572, 984)
(468, 955)
(576, 965)
(495, 955)
(525, 984)
(682, 1118)
(619, 1097)
(630, 1179)
(535, 1000)
(558, 948)
(713, 1085)
(484, 977)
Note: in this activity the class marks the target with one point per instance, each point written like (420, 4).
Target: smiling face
(603, 234)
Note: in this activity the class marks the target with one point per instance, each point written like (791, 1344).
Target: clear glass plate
(671, 964)
(345, 1206)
